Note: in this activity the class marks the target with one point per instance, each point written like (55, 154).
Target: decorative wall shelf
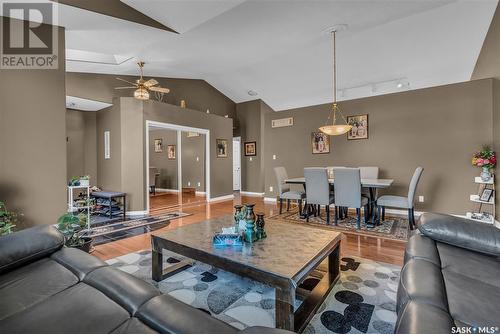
(483, 211)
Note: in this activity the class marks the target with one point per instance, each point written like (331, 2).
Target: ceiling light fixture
(335, 129)
(252, 93)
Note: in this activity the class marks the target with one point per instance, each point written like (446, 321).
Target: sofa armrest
(28, 245)
(461, 232)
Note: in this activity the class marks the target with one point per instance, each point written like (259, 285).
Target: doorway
(236, 163)
(177, 165)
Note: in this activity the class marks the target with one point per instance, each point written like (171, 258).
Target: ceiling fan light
(141, 94)
(335, 130)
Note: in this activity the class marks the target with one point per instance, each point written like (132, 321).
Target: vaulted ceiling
(279, 48)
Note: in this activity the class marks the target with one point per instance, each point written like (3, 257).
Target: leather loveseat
(450, 282)
(48, 288)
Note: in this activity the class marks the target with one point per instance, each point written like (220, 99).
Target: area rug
(391, 227)
(121, 226)
(363, 300)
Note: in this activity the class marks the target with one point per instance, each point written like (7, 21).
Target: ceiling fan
(142, 87)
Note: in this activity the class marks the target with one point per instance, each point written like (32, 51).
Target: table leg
(334, 264)
(373, 204)
(124, 207)
(285, 302)
(157, 265)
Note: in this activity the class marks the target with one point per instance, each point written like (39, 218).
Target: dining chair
(369, 173)
(285, 192)
(318, 189)
(348, 193)
(402, 202)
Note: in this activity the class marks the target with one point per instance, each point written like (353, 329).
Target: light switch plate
(189, 184)
(199, 184)
(251, 159)
(421, 199)
(270, 189)
(274, 156)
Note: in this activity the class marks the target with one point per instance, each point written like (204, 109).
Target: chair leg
(300, 207)
(379, 214)
(336, 216)
(281, 206)
(383, 213)
(367, 213)
(287, 205)
(327, 209)
(358, 214)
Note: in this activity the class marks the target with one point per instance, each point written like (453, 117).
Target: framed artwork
(158, 145)
(221, 148)
(171, 152)
(359, 127)
(320, 143)
(250, 148)
(486, 195)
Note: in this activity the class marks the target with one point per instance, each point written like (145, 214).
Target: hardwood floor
(378, 249)
(163, 201)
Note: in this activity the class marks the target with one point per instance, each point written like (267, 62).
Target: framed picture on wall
(250, 148)
(320, 143)
(359, 125)
(171, 152)
(221, 148)
(158, 145)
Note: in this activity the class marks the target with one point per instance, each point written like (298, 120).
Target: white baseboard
(136, 213)
(163, 190)
(201, 193)
(252, 194)
(270, 199)
(221, 198)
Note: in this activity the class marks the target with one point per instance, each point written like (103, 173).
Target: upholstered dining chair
(369, 173)
(318, 189)
(402, 202)
(348, 192)
(285, 193)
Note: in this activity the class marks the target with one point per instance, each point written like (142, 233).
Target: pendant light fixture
(335, 129)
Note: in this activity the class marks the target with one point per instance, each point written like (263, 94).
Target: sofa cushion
(78, 262)
(421, 247)
(127, 290)
(32, 284)
(423, 318)
(421, 281)
(28, 245)
(80, 309)
(168, 315)
(134, 326)
(461, 232)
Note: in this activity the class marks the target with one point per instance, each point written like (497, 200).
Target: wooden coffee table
(283, 260)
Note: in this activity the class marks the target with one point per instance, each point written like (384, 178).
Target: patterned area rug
(391, 228)
(363, 300)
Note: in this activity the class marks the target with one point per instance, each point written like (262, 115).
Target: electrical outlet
(274, 156)
(421, 199)
(199, 184)
(251, 159)
(189, 183)
(271, 189)
(197, 158)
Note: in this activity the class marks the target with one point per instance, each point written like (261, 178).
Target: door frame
(179, 129)
(238, 139)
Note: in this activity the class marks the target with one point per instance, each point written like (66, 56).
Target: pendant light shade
(335, 129)
(141, 93)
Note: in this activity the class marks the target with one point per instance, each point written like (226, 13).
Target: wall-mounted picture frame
(221, 148)
(359, 125)
(486, 195)
(159, 145)
(320, 143)
(171, 152)
(250, 148)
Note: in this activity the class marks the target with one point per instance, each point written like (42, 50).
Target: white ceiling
(278, 48)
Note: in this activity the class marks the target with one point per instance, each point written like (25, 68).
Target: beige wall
(166, 167)
(198, 94)
(81, 144)
(496, 136)
(33, 142)
(437, 128)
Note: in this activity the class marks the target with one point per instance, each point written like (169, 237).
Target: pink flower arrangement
(485, 158)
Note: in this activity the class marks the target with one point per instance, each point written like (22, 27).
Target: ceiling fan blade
(150, 83)
(126, 87)
(132, 83)
(159, 89)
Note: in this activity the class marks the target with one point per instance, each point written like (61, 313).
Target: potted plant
(72, 226)
(74, 182)
(85, 180)
(486, 159)
(7, 220)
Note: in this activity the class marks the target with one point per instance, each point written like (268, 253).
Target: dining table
(371, 184)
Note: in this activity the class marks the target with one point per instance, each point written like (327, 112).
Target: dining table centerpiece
(486, 159)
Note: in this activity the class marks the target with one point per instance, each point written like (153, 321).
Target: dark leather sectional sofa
(450, 282)
(48, 288)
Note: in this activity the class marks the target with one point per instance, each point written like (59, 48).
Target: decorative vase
(260, 233)
(250, 227)
(84, 182)
(237, 214)
(485, 174)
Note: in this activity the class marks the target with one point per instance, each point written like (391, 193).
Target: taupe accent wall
(126, 170)
(198, 94)
(81, 144)
(488, 62)
(193, 161)
(166, 167)
(437, 128)
(33, 142)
